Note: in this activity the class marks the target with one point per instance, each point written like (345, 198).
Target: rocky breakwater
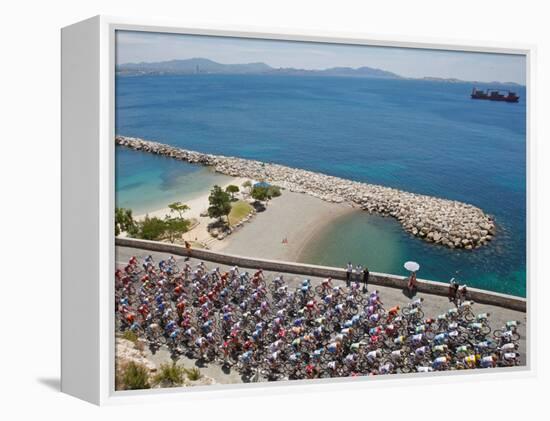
(449, 223)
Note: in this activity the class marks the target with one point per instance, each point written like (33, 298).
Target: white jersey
(372, 356)
(420, 351)
(487, 362)
(440, 360)
(508, 347)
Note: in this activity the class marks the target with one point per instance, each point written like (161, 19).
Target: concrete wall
(383, 279)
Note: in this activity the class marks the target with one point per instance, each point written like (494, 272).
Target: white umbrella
(411, 266)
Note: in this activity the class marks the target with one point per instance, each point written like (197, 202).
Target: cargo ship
(495, 95)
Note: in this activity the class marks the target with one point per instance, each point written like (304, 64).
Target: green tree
(124, 221)
(247, 184)
(152, 228)
(232, 189)
(220, 203)
(179, 208)
(259, 193)
(175, 227)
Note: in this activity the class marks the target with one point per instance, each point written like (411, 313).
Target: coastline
(448, 223)
(197, 205)
(294, 217)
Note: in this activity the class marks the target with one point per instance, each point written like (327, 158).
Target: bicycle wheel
(497, 334)
(515, 337)
(405, 368)
(486, 330)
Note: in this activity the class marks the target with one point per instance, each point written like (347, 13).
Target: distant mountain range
(207, 66)
(454, 80)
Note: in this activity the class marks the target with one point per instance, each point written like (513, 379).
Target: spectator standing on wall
(411, 285)
(462, 293)
(453, 290)
(358, 273)
(349, 271)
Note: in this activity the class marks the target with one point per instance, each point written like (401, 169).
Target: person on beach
(411, 285)
(366, 275)
(349, 271)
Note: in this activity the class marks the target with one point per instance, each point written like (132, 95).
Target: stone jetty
(449, 223)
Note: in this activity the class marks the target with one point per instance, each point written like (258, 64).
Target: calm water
(146, 182)
(420, 136)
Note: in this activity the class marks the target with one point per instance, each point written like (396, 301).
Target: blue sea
(421, 136)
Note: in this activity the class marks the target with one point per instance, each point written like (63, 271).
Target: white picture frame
(88, 66)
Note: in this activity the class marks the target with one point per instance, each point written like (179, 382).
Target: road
(433, 305)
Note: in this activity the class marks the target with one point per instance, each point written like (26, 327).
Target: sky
(135, 47)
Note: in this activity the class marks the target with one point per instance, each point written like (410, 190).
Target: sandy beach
(197, 206)
(295, 217)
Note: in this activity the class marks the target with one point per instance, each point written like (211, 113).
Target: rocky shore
(449, 223)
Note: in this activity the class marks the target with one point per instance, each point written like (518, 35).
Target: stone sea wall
(382, 279)
(449, 223)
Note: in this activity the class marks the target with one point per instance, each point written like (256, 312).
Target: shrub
(273, 191)
(135, 377)
(193, 373)
(170, 375)
(259, 193)
(130, 335)
(263, 193)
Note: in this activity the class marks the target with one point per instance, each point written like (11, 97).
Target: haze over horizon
(137, 47)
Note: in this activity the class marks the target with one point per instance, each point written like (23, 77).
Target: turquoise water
(421, 136)
(381, 244)
(146, 182)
